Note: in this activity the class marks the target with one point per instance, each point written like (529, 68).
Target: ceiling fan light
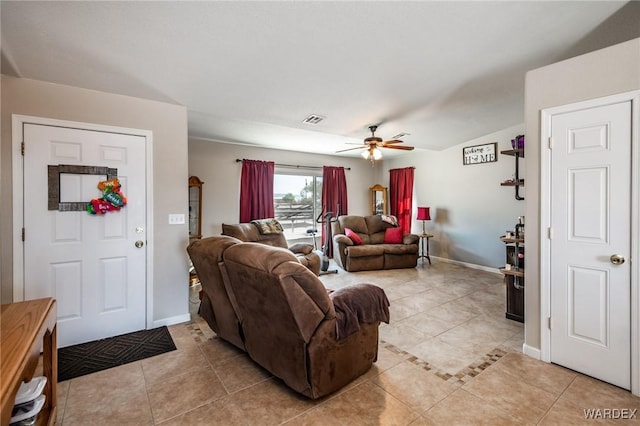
(365, 154)
(377, 154)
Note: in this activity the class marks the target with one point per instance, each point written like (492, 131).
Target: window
(297, 201)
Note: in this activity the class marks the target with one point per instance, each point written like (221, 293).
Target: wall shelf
(512, 183)
(514, 272)
(511, 240)
(516, 182)
(515, 152)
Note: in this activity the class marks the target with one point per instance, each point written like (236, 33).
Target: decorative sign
(112, 198)
(479, 154)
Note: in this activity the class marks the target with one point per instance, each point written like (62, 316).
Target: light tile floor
(448, 357)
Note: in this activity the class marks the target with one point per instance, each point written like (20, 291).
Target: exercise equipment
(326, 219)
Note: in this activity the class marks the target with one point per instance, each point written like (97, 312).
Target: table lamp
(423, 215)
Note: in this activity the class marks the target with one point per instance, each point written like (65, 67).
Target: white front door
(89, 263)
(591, 222)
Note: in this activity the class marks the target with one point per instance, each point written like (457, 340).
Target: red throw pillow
(353, 236)
(393, 236)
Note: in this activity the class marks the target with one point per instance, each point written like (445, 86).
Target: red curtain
(334, 198)
(256, 190)
(401, 196)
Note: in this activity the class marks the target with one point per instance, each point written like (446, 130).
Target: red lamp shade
(423, 213)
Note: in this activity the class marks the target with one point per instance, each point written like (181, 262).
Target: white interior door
(89, 263)
(591, 222)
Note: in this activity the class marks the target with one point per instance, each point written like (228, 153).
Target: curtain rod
(294, 166)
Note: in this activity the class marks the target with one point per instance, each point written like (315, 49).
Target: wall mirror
(378, 196)
(195, 207)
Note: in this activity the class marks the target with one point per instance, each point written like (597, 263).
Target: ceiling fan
(372, 144)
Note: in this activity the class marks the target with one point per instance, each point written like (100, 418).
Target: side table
(424, 237)
(25, 328)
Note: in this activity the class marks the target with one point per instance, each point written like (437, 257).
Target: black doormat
(87, 358)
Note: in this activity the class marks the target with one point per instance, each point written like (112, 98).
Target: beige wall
(215, 164)
(169, 126)
(469, 208)
(615, 69)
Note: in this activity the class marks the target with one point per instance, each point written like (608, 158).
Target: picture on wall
(479, 154)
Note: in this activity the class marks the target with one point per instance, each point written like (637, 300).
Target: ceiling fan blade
(405, 148)
(351, 149)
(392, 141)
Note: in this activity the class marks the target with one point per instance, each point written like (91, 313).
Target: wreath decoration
(112, 198)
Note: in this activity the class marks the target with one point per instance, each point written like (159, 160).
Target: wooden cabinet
(516, 181)
(514, 277)
(195, 208)
(25, 329)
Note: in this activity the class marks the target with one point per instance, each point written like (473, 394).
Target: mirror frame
(374, 192)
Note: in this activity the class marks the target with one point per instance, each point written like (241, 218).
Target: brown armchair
(216, 306)
(315, 342)
(249, 232)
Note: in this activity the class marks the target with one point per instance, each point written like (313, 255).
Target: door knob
(139, 244)
(616, 259)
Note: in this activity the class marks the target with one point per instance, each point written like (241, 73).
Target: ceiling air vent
(401, 135)
(313, 119)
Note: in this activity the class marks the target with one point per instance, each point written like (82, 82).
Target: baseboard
(531, 351)
(179, 319)
(469, 265)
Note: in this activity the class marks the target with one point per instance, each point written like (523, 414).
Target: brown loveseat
(314, 340)
(251, 232)
(373, 253)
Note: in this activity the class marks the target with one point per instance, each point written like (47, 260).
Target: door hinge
(22, 234)
(549, 323)
(549, 233)
(22, 148)
(550, 143)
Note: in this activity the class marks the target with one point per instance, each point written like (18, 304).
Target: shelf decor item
(517, 142)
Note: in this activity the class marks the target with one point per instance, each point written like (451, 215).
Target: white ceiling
(250, 72)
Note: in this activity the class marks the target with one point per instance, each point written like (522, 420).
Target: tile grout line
(557, 399)
(464, 375)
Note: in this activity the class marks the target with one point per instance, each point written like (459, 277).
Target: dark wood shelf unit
(515, 152)
(514, 278)
(512, 183)
(516, 182)
(511, 240)
(514, 272)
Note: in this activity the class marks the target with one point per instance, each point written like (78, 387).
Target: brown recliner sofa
(314, 341)
(250, 232)
(216, 306)
(373, 253)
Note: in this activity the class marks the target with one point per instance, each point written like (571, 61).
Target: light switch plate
(176, 219)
